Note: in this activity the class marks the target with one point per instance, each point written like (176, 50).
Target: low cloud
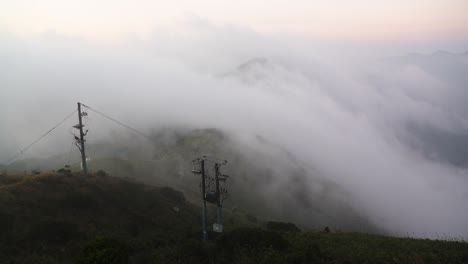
(361, 124)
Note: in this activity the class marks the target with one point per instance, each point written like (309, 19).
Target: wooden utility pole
(82, 140)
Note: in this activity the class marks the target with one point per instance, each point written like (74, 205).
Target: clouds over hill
(378, 129)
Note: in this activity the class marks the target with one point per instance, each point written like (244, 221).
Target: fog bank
(387, 130)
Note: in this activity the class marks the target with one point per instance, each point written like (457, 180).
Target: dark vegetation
(53, 217)
(65, 218)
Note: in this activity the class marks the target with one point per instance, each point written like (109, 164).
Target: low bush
(105, 250)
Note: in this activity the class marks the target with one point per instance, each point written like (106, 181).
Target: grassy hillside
(66, 218)
(55, 215)
(266, 179)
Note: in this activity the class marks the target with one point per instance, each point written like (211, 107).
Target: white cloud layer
(379, 129)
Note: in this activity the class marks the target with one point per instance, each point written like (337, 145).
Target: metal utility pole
(218, 194)
(208, 194)
(81, 141)
(202, 167)
(200, 164)
(221, 194)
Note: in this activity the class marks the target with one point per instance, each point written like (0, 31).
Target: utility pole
(202, 167)
(218, 194)
(81, 141)
(221, 194)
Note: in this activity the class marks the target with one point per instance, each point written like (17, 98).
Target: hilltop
(66, 218)
(52, 216)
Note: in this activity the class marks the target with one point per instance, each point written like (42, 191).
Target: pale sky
(348, 19)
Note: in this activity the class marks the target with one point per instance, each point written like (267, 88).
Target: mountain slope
(265, 179)
(55, 215)
(66, 218)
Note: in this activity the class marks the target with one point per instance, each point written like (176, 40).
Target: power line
(38, 139)
(118, 122)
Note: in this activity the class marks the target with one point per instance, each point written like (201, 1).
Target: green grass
(66, 218)
(366, 248)
(55, 215)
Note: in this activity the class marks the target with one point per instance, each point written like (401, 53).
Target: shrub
(105, 250)
(65, 171)
(101, 173)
